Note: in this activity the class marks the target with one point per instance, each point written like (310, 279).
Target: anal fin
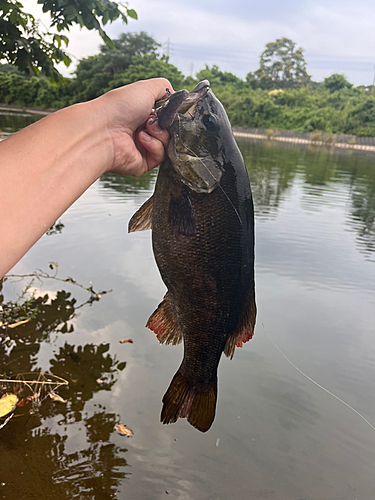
(245, 328)
(163, 322)
(142, 219)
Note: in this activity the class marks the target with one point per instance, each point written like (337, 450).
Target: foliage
(217, 77)
(332, 107)
(336, 82)
(32, 49)
(145, 67)
(281, 65)
(95, 73)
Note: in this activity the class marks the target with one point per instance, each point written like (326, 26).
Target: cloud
(337, 36)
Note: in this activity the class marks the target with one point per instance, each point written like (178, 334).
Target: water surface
(276, 434)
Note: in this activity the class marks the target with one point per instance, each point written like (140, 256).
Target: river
(295, 411)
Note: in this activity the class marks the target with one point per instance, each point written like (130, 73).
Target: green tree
(26, 45)
(94, 73)
(218, 77)
(336, 82)
(148, 66)
(281, 65)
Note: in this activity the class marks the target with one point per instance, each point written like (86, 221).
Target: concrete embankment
(18, 109)
(301, 140)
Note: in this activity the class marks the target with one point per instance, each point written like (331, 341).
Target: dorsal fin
(142, 219)
(245, 328)
(163, 322)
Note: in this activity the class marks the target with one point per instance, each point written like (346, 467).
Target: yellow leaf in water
(7, 404)
(123, 430)
(14, 325)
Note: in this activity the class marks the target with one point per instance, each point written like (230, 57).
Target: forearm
(43, 170)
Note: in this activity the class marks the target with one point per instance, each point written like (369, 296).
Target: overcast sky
(338, 36)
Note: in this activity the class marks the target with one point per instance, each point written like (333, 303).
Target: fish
(202, 219)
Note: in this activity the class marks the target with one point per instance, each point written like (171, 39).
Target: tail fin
(186, 398)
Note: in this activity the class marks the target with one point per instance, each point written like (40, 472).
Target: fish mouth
(188, 107)
(181, 103)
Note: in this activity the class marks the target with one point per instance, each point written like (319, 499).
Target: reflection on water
(276, 435)
(326, 178)
(55, 463)
(10, 122)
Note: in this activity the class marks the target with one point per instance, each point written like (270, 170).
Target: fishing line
(318, 385)
(205, 166)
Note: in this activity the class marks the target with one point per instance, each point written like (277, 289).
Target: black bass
(202, 221)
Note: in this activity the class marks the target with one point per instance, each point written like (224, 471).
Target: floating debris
(32, 388)
(56, 397)
(8, 403)
(19, 323)
(123, 430)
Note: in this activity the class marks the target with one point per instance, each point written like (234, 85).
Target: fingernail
(156, 128)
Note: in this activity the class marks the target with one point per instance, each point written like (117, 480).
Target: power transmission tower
(168, 47)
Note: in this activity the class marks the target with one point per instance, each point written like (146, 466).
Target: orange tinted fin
(142, 219)
(163, 323)
(186, 398)
(245, 328)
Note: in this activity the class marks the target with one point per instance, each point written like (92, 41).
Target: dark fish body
(203, 242)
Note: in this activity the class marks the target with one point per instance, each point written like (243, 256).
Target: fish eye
(210, 122)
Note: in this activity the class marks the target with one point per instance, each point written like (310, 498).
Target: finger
(154, 147)
(155, 131)
(158, 87)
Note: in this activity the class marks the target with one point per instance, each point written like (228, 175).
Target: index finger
(160, 88)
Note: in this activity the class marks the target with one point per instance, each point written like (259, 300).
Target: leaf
(56, 397)
(106, 39)
(7, 404)
(67, 60)
(123, 430)
(14, 325)
(132, 13)
(58, 40)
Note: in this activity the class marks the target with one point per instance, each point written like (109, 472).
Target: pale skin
(45, 167)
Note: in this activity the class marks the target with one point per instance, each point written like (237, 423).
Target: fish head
(198, 129)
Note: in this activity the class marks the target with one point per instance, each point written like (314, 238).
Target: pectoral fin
(245, 328)
(142, 219)
(181, 214)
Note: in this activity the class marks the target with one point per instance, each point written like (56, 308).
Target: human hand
(137, 147)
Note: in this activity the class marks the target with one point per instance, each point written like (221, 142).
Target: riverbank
(19, 109)
(342, 141)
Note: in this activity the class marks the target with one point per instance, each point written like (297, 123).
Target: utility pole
(191, 69)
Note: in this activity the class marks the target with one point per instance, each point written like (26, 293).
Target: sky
(337, 36)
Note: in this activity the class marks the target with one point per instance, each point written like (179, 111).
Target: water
(276, 434)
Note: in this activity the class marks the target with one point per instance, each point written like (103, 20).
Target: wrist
(92, 140)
